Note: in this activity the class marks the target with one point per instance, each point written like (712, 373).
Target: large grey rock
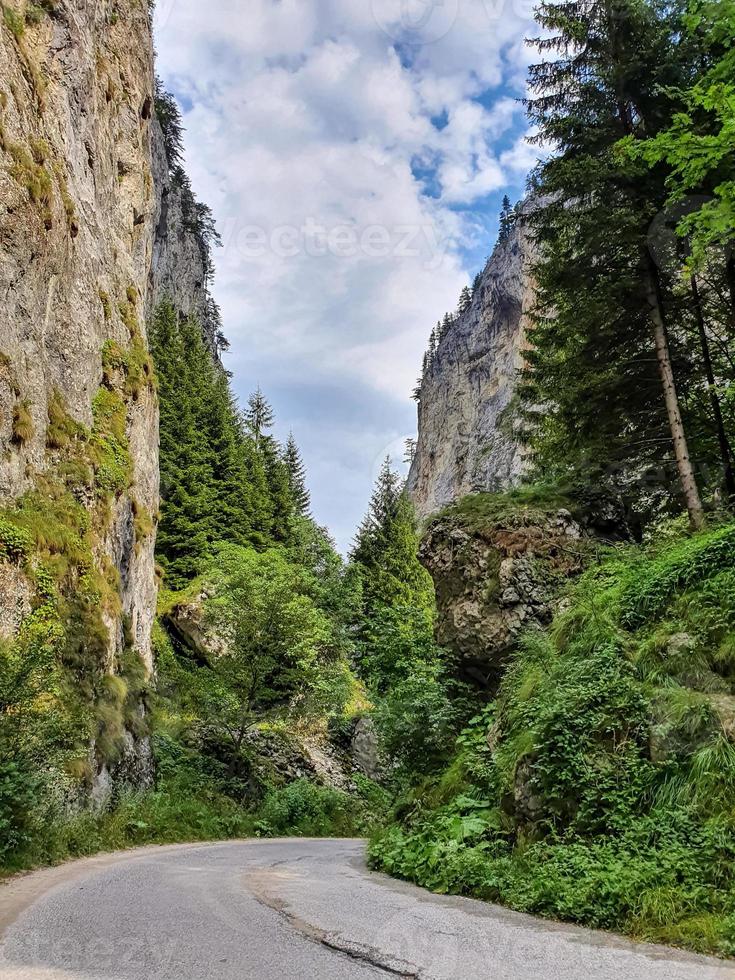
(73, 94)
(92, 235)
(495, 580)
(467, 436)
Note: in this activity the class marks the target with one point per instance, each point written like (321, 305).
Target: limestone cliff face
(466, 439)
(179, 271)
(75, 183)
(91, 236)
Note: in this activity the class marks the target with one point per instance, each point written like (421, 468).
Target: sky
(355, 154)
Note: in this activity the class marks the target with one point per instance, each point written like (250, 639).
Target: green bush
(305, 810)
(20, 794)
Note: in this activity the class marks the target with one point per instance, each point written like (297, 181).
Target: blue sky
(355, 154)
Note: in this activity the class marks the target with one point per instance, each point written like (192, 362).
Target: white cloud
(304, 121)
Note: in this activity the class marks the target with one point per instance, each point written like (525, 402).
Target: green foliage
(110, 454)
(296, 477)
(221, 479)
(417, 708)
(384, 553)
(15, 542)
(306, 810)
(591, 392)
(600, 787)
(697, 148)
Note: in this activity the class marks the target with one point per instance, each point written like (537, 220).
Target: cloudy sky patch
(355, 155)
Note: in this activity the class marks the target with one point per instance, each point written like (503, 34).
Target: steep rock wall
(179, 271)
(466, 438)
(76, 189)
(92, 235)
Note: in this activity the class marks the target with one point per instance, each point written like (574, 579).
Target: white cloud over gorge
(347, 165)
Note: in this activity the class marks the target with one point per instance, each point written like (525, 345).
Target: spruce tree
(258, 416)
(605, 348)
(505, 220)
(296, 477)
(394, 624)
(218, 481)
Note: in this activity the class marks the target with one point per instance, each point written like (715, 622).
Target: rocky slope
(466, 439)
(91, 236)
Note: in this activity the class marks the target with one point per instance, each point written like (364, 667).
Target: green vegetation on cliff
(599, 786)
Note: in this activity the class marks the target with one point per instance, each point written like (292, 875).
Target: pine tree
(386, 544)
(258, 416)
(604, 343)
(465, 300)
(217, 482)
(394, 623)
(505, 221)
(296, 477)
(409, 451)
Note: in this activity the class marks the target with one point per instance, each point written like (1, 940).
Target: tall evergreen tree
(218, 483)
(506, 220)
(394, 624)
(259, 416)
(607, 337)
(296, 477)
(465, 300)
(386, 544)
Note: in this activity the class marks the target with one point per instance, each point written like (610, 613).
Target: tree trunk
(724, 444)
(666, 372)
(730, 270)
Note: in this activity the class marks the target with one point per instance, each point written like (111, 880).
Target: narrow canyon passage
(293, 908)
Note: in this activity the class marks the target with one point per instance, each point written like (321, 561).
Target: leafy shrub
(19, 797)
(303, 809)
(15, 542)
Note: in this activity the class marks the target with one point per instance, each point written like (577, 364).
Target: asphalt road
(290, 910)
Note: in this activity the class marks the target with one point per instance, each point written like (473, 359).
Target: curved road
(290, 910)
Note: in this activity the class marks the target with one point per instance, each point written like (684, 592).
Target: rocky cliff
(180, 270)
(91, 235)
(466, 437)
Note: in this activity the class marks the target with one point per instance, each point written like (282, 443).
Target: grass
(525, 504)
(23, 427)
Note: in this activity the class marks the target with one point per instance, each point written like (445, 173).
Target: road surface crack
(366, 954)
(391, 965)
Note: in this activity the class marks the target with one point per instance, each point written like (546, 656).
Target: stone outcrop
(496, 578)
(467, 439)
(189, 625)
